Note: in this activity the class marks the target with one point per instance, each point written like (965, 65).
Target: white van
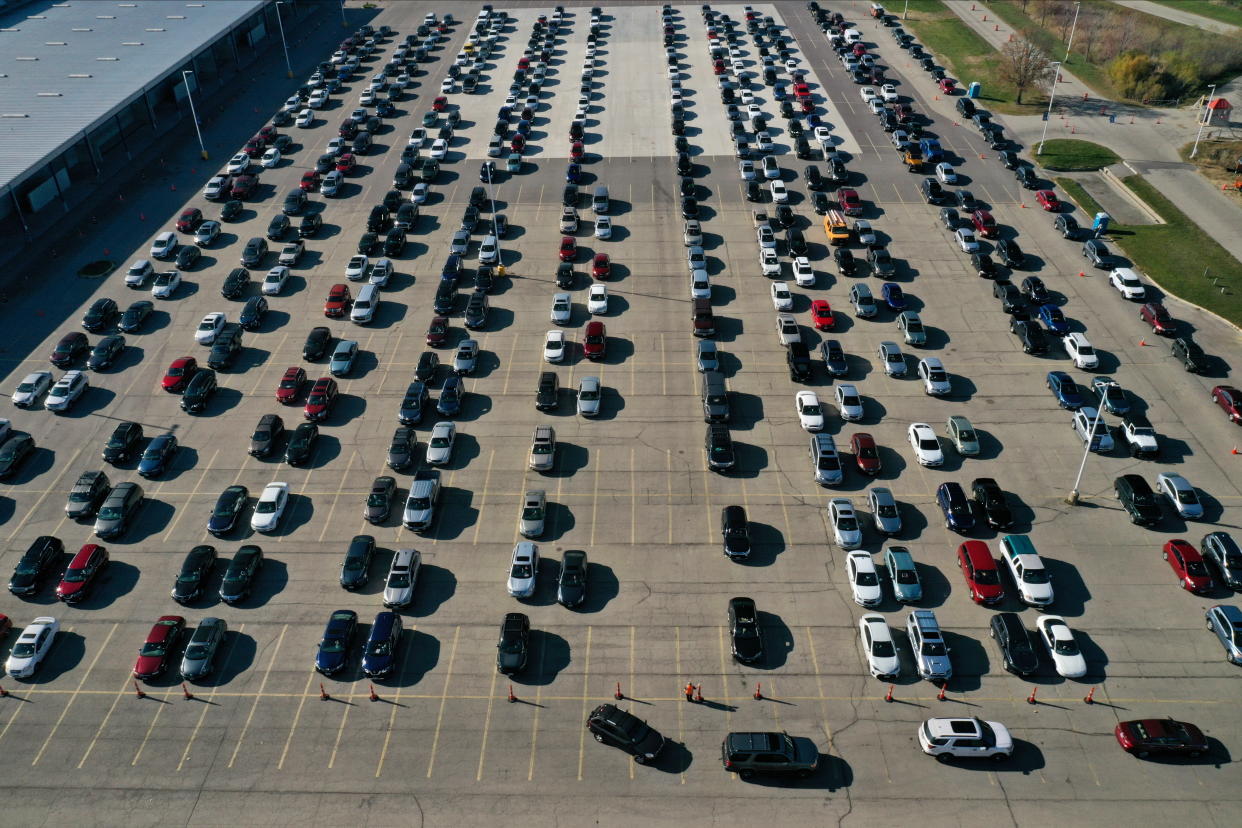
(852, 36)
(365, 304)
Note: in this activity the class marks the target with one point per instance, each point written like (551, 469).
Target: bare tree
(1025, 66)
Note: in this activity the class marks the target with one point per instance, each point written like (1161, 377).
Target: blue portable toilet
(1100, 224)
(974, 89)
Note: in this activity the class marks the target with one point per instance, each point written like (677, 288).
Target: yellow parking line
(207, 706)
(487, 478)
(121, 693)
(534, 733)
(339, 731)
(74, 695)
(336, 497)
(586, 677)
(681, 729)
(211, 464)
(435, 741)
(296, 716)
(262, 684)
(487, 723)
(395, 704)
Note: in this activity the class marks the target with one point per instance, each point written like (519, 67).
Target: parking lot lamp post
(193, 115)
(1052, 93)
(1072, 497)
(284, 43)
(343, 23)
(491, 197)
(1073, 26)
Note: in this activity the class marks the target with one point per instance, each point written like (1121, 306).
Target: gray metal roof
(65, 65)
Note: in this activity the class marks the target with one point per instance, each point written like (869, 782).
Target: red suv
(576, 151)
(1156, 315)
(569, 249)
(267, 134)
(984, 224)
(254, 147)
(518, 143)
(345, 163)
(1048, 200)
(243, 187)
(981, 573)
(595, 340)
(190, 220)
(179, 374)
(85, 567)
(320, 400)
(437, 331)
(866, 455)
(821, 315)
(339, 300)
(439, 103)
(1191, 569)
(850, 203)
(601, 266)
(290, 387)
(310, 181)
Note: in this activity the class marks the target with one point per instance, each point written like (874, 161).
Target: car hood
(216, 523)
(21, 583)
(330, 662)
(509, 662)
(571, 594)
(935, 665)
(147, 666)
(191, 667)
(69, 589)
(748, 648)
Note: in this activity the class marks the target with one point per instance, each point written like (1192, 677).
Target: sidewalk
(1146, 139)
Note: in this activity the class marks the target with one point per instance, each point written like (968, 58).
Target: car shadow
(118, 580)
(766, 543)
(438, 586)
(237, 659)
(153, 516)
(67, 652)
(422, 653)
(269, 582)
(550, 654)
(778, 641)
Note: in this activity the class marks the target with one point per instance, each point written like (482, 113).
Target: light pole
(1072, 497)
(905, 15)
(189, 97)
(491, 197)
(284, 44)
(1203, 120)
(343, 23)
(1069, 43)
(1052, 93)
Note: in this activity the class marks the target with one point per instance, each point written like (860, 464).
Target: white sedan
(753, 111)
(780, 194)
(270, 507)
(439, 148)
(864, 580)
(867, 93)
(554, 347)
(849, 403)
(771, 169)
(746, 169)
(889, 93)
(926, 445)
(945, 173)
(418, 138)
(597, 299)
(804, 275)
(305, 118)
(356, 267)
(562, 309)
(238, 164)
(810, 413)
(700, 285)
(846, 531)
(1059, 640)
(275, 280)
(822, 135)
(782, 299)
(522, 570)
(1181, 494)
(877, 640)
(210, 328)
(270, 158)
(603, 227)
(31, 647)
(31, 388)
(965, 238)
(166, 284)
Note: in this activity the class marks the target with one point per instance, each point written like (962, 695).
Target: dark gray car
(200, 653)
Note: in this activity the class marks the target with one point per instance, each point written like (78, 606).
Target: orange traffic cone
(758, 692)
(374, 697)
(618, 695)
(186, 691)
(698, 693)
(888, 697)
(1234, 450)
(1090, 697)
(1082, 274)
(323, 694)
(1142, 343)
(512, 698)
(1031, 698)
(940, 695)
(138, 690)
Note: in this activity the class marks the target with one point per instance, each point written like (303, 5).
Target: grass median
(1072, 155)
(1173, 254)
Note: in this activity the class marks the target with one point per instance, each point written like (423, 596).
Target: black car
(266, 435)
(356, 568)
(401, 448)
(1018, 654)
(846, 263)
(338, 635)
(784, 216)
(684, 165)
(235, 283)
(393, 199)
(798, 360)
(1011, 298)
(229, 506)
(821, 203)
(407, 216)
(484, 279)
(1137, 499)
(326, 163)
(1009, 159)
(394, 242)
(718, 443)
(317, 343)
(40, 560)
(276, 230)
(1189, 353)
(745, 639)
(1030, 334)
(100, 315)
(252, 313)
(1034, 289)
(983, 265)
(223, 351)
(367, 244)
(611, 725)
(814, 180)
(301, 445)
(1010, 254)
(569, 196)
(195, 571)
(411, 411)
(135, 315)
(735, 531)
(105, 352)
(379, 219)
(295, 201)
(933, 193)
(361, 143)
(187, 257)
(240, 574)
(123, 443)
(548, 393)
(232, 210)
(513, 648)
(795, 242)
(754, 192)
(470, 218)
(380, 499)
(1026, 177)
(310, 225)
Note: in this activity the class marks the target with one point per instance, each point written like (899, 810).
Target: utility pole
(1069, 43)
(1052, 93)
(193, 115)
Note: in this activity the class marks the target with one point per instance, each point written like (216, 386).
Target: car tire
(999, 757)
(746, 774)
(944, 758)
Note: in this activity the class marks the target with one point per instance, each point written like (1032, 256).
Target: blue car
(380, 656)
(834, 357)
(573, 173)
(333, 651)
(1064, 388)
(1053, 319)
(523, 128)
(778, 92)
(893, 297)
(451, 269)
(951, 499)
(907, 588)
(814, 120)
(343, 358)
(449, 404)
(159, 452)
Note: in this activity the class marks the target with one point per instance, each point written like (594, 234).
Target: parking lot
(269, 739)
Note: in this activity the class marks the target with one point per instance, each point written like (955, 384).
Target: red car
(243, 187)
(1048, 200)
(575, 151)
(439, 103)
(595, 340)
(601, 266)
(801, 90)
(5, 626)
(321, 398)
(1156, 315)
(524, 62)
(310, 181)
(718, 67)
(850, 203)
(1144, 737)
(158, 649)
(290, 387)
(981, 573)
(338, 302)
(518, 143)
(859, 50)
(345, 163)
(866, 455)
(190, 220)
(984, 224)
(821, 315)
(948, 86)
(437, 331)
(347, 130)
(268, 134)
(178, 375)
(83, 570)
(1230, 400)
(569, 249)
(254, 147)
(1191, 569)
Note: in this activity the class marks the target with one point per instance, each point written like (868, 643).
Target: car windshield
(521, 571)
(77, 576)
(399, 580)
(883, 649)
(26, 387)
(847, 524)
(811, 411)
(929, 444)
(541, 448)
(1187, 496)
(866, 578)
(850, 400)
(380, 648)
(933, 648)
(23, 650)
(196, 652)
(377, 499)
(1035, 576)
(588, 394)
(332, 645)
(829, 463)
(109, 513)
(986, 576)
(265, 507)
(179, 371)
(1066, 646)
(511, 643)
(154, 648)
(1196, 568)
(418, 503)
(226, 508)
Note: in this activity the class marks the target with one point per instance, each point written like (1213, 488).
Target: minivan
(599, 200)
(365, 304)
(118, 510)
(827, 463)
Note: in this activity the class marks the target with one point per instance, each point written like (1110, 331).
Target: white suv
(949, 739)
(1080, 350)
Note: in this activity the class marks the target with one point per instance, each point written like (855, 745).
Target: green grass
(1230, 13)
(967, 56)
(1070, 154)
(1173, 254)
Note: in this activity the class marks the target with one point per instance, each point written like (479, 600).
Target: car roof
(945, 728)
